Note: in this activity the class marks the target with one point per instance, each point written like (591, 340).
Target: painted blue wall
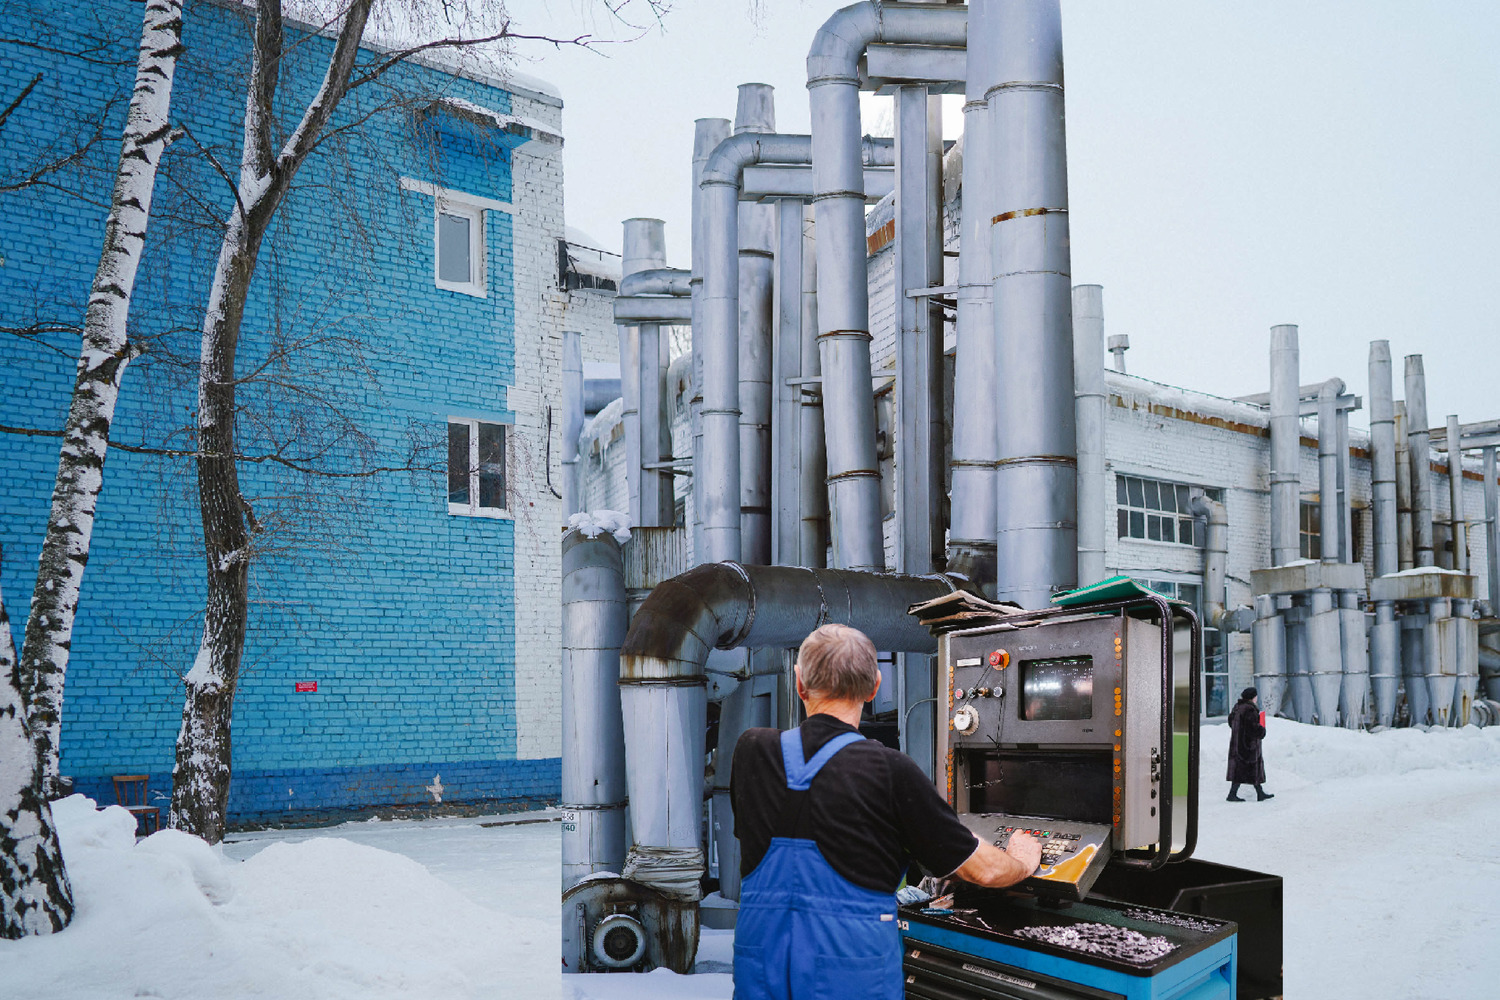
(401, 613)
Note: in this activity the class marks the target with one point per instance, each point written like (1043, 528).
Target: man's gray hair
(838, 662)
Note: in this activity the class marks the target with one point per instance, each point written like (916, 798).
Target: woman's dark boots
(1234, 792)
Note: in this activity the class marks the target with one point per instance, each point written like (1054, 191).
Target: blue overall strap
(800, 772)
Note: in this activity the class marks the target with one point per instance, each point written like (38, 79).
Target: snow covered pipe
(707, 134)
(1330, 532)
(1385, 634)
(717, 483)
(1421, 471)
(1215, 554)
(593, 742)
(971, 531)
(1088, 381)
(833, 81)
(755, 112)
(644, 246)
(1036, 479)
(1405, 549)
(1286, 443)
(813, 493)
(663, 683)
(572, 419)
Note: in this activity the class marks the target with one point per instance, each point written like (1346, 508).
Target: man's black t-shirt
(870, 809)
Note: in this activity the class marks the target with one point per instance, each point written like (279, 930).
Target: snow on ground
(1388, 845)
(429, 909)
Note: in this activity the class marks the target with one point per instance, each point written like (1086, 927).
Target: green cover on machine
(1116, 588)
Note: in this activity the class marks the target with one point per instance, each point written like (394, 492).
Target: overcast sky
(1232, 165)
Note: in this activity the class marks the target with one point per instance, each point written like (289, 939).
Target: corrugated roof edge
(520, 84)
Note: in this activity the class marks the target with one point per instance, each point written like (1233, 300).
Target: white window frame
(477, 286)
(472, 508)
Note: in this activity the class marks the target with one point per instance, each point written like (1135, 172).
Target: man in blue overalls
(828, 823)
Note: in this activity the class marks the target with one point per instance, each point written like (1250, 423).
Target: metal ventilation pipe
(971, 527)
(1421, 472)
(1405, 545)
(1119, 343)
(663, 684)
(1492, 531)
(707, 134)
(1330, 529)
(1036, 481)
(843, 304)
(1088, 382)
(1268, 647)
(593, 743)
(645, 248)
(1459, 533)
(670, 281)
(755, 112)
(814, 490)
(1468, 633)
(572, 419)
(1215, 554)
(1385, 635)
(1286, 443)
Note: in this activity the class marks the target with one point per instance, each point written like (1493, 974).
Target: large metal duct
(833, 80)
(1405, 545)
(1089, 409)
(1215, 553)
(572, 419)
(663, 683)
(971, 526)
(1329, 520)
(1036, 478)
(1286, 443)
(1421, 470)
(707, 134)
(1468, 632)
(814, 457)
(644, 248)
(787, 386)
(755, 112)
(673, 281)
(1459, 532)
(1385, 634)
(1268, 650)
(593, 744)
(1492, 531)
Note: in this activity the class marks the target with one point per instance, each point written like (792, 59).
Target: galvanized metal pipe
(1268, 649)
(593, 744)
(1090, 400)
(786, 423)
(644, 247)
(755, 112)
(833, 82)
(1492, 529)
(1405, 542)
(1330, 530)
(1459, 534)
(814, 457)
(658, 281)
(1385, 636)
(971, 524)
(1215, 553)
(572, 419)
(1036, 481)
(1286, 444)
(707, 134)
(1421, 462)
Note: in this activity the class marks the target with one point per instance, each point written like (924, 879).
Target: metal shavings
(1173, 919)
(1102, 939)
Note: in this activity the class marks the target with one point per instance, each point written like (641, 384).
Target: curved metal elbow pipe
(840, 43)
(658, 281)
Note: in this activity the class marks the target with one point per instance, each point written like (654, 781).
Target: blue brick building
(406, 313)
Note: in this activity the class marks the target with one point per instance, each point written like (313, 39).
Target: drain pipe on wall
(833, 81)
(1385, 634)
(662, 683)
(593, 742)
(1090, 400)
(1036, 480)
(572, 419)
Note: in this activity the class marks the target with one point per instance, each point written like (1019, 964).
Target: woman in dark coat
(1245, 733)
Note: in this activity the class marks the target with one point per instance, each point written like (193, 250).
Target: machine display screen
(1060, 689)
(1076, 785)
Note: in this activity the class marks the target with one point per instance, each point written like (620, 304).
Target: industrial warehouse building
(403, 641)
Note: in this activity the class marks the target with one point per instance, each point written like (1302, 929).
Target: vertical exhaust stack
(1468, 632)
(707, 134)
(1088, 381)
(1036, 482)
(593, 744)
(572, 420)
(755, 113)
(1418, 445)
(1385, 635)
(645, 248)
(1286, 435)
(1405, 543)
(1324, 625)
(971, 530)
(833, 81)
(814, 471)
(1119, 343)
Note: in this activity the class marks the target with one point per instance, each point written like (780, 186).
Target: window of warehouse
(458, 238)
(1157, 511)
(476, 468)
(1310, 531)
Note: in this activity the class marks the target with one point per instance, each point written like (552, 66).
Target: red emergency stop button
(999, 658)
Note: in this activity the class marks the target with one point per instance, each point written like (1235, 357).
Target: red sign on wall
(305, 686)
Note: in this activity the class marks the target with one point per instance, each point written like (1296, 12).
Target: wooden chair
(131, 792)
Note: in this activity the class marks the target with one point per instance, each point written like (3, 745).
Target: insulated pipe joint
(658, 281)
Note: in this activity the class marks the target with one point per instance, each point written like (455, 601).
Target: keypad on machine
(1055, 844)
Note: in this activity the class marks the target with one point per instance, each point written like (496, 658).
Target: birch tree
(35, 897)
(200, 777)
(102, 359)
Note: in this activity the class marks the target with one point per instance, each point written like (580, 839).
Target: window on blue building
(476, 468)
(458, 245)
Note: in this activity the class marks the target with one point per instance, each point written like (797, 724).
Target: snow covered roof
(586, 255)
(522, 126)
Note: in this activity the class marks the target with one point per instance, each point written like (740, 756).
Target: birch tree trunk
(101, 365)
(35, 897)
(200, 777)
